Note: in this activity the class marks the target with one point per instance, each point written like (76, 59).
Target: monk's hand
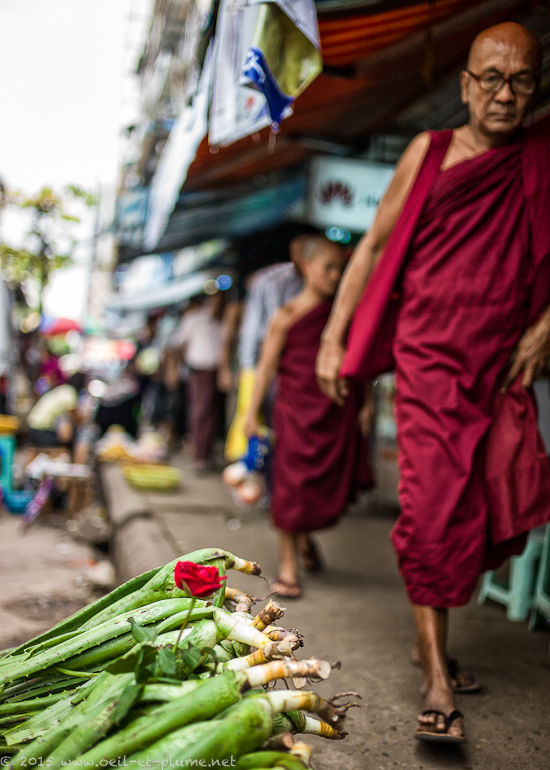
(327, 367)
(531, 353)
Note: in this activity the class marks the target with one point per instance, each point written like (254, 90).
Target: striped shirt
(271, 288)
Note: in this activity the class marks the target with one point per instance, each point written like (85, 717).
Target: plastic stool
(517, 596)
(7, 451)
(541, 598)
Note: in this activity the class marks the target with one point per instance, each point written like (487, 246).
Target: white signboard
(345, 192)
(235, 111)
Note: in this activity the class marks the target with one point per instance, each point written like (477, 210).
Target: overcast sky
(67, 89)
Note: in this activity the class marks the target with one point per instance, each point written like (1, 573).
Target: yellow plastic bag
(236, 444)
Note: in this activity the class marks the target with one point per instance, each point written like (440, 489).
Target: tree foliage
(48, 241)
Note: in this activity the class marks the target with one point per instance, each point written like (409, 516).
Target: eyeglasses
(520, 83)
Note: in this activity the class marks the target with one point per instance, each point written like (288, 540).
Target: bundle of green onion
(150, 674)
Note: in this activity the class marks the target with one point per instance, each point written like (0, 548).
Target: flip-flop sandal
(423, 732)
(311, 558)
(462, 689)
(286, 589)
(454, 671)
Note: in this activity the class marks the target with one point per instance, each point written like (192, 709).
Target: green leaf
(167, 661)
(126, 663)
(188, 660)
(128, 697)
(145, 670)
(209, 653)
(142, 633)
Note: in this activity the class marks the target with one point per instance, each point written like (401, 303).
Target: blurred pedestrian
(50, 374)
(465, 237)
(199, 338)
(317, 458)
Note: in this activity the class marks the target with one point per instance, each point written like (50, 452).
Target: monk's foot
(462, 680)
(286, 589)
(440, 720)
(287, 583)
(309, 555)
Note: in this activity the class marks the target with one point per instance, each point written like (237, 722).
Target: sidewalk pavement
(356, 612)
(45, 575)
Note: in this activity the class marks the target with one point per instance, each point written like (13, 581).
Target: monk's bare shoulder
(398, 190)
(284, 318)
(411, 160)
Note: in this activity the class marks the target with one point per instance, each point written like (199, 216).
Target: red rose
(197, 579)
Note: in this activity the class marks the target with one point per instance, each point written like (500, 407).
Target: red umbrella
(61, 326)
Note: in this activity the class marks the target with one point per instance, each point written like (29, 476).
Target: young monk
(316, 469)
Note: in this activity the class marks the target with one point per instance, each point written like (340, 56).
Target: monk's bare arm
(364, 260)
(268, 364)
(532, 352)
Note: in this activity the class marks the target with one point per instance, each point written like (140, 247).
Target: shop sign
(345, 192)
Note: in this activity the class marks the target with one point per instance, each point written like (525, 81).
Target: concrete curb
(139, 540)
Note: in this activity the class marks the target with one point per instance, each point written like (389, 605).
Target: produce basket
(149, 476)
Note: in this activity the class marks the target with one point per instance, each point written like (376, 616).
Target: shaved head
(509, 35)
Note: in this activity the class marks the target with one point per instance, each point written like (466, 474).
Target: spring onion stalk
(243, 602)
(277, 634)
(13, 719)
(258, 760)
(99, 697)
(113, 648)
(268, 615)
(301, 750)
(271, 651)
(166, 693)
(208, 699)
(122, 696)
(35, 687)
(52, 716)
(283, 669)
(84, 641)
(298, 722)
(237, 630)
(244, 728)
(35, 704)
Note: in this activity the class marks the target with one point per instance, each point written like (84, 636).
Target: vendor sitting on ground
(52, 420)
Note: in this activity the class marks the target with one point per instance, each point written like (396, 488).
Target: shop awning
(237, 211)
(163, 295)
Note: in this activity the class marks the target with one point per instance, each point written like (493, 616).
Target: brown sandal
(311, 558)
(426, 733)
(286, 589)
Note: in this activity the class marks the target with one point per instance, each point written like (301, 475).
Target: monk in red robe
(463, 237)
(318, 459)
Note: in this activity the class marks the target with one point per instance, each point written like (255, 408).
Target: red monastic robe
(320, 457)
(473, 261)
